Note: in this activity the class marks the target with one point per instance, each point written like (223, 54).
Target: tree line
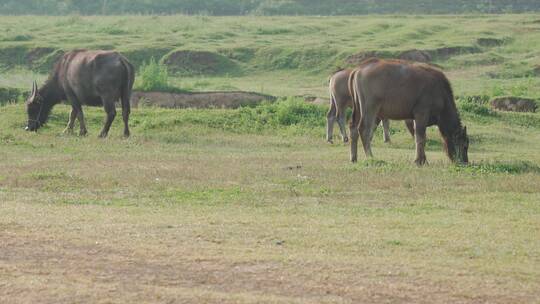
(264, 7)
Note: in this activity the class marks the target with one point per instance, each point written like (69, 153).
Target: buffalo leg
(386, 129)
(71, 122)
(82, 124)
(76, 106)
(420, 136)
(410, 126)
(330, 120)
(367, 126)
(126, 110)
(110, 109)
(354, 126)
(341, 122)
(368, 120)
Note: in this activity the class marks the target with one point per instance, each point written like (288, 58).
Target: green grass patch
(497, 167)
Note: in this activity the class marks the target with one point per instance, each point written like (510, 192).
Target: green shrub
(476, 105)
(153, 76)
(296, 111)
(477, 109)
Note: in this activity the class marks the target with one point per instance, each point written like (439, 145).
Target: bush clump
(153, 76)
(476, 105)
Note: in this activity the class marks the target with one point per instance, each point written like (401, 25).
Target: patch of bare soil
(514, 104)
(203, 100)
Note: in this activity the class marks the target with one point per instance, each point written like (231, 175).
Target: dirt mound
(43, 59)
(514, 104)
(203, 100)
(425, 56)
(186, 62)
(489, 42)
(357, 58)
(36, 54)
(536, 70)
(447, 52)
(138, 56)
(315, 100)
(415, 55)
(12, 56)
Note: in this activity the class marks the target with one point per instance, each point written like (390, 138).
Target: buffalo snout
(32, 127)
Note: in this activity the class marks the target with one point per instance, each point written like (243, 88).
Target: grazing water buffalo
(340, 100)
(94, 78)
(395, 89)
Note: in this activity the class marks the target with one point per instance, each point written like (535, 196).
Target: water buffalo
(93, 78)
(399, 90)
(340, 100)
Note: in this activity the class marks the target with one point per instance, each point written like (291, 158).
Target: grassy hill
(251, 205)
(283, 55)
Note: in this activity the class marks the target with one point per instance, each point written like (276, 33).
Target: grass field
(251, 205)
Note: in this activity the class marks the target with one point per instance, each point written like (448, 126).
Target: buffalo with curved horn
(94, 78)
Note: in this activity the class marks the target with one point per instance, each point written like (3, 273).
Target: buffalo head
(34, 108)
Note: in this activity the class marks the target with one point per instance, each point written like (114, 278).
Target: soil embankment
(202, 100)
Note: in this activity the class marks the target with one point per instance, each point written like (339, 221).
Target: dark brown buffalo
(400, 90)
(93, 78)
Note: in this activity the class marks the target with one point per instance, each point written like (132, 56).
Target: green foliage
(476, 109)
(304, 58)
(18, 38)
(10, 95)
(293, 114)
(516, 167)
(497, 91)
(522, 89)
(153, 76)
(296, 111)
(475, 105)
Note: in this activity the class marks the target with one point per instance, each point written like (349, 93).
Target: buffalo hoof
(330, 141)
(420, 162)
(345, 139)
(68, 131)
(83, 133)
